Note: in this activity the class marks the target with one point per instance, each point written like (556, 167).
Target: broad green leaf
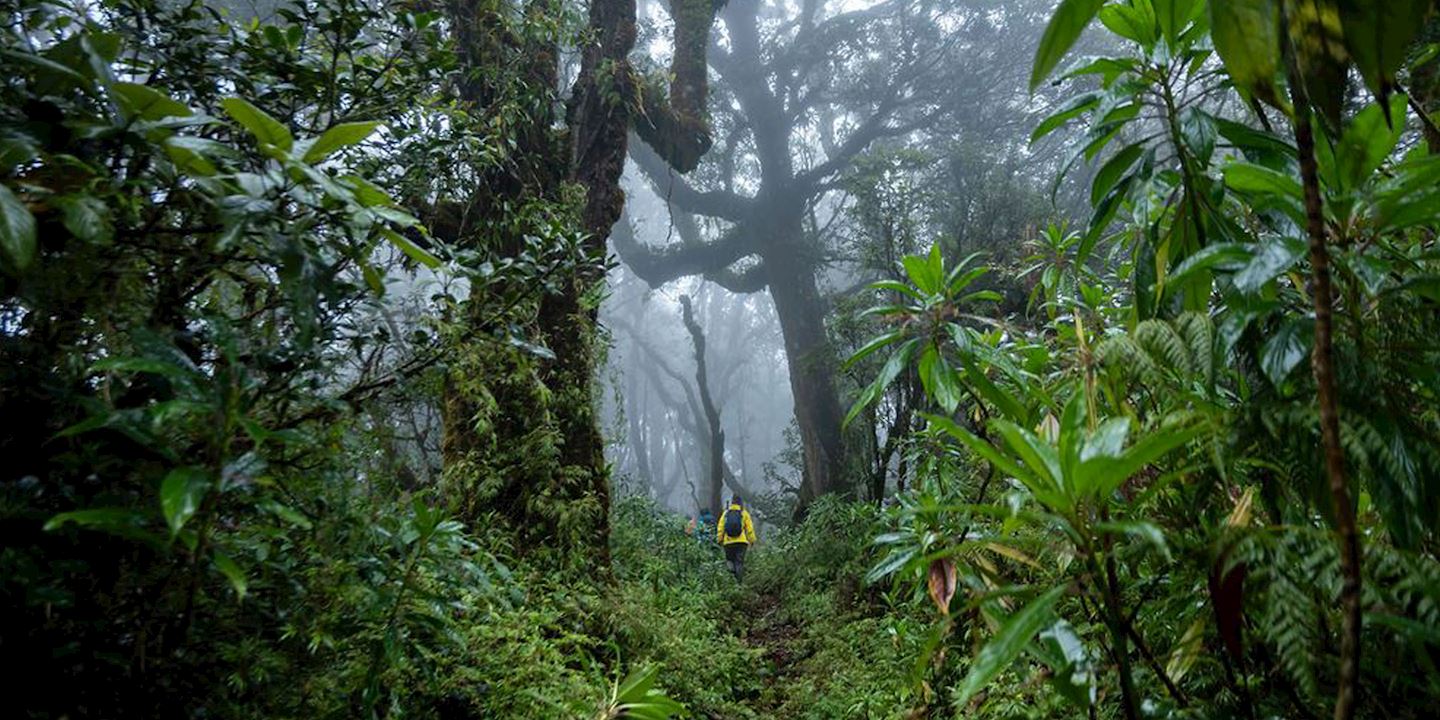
(979, 383)
(181, 493)
(1378, 35)
(960, 278)
(17, 232)
(192, 154)
(1270, 190)
(1186, 651)
(86, 217)
(939, 379)
(1105, 210)
(1317, 43)
(897, 559)
(1259, 146)
(924, 272)
(1111, 474)
(1072, 109)
(1286, 349)
(1367, 141)
(1245, 177)
(232, 572)
(367, 193)
(1113, 169)
(1069, 20)
(888, 373)
(1198, 130)
(1219, 256)
(288, 514)
(342, 135)
(99, 518)
(1108, 68)
(1039, 487)
(1107, 441)
(1246, 34)
(1133, 22)
(1014, 635)
(147, 103)
(1073, 675)
(874, 344)
(1175, 15)
(1270, 260)
(896, 286)
(121, 522)
(415, 252)
(1039, 456)
(266, 129)
(637, 699)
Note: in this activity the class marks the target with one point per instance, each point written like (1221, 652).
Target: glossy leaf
(1109, 173)
(1246, 34)
(1066, 24)
(147, 103)
(940, 380)
(1367, 141)
(1135, 22)
(181, 492)
(86, 217)
(340, 136)
(1270, 260)
(1175, 15)
(1142, 530)
(1378, 36)
(1285, 350)
(411, 250)
(232, 572)
(1316, 39)
(17, 232)
(925, 271)
(872, 346)
(267, 130)
(1110, 474)
(1073, 108)
(888, 373)
(1007, 644)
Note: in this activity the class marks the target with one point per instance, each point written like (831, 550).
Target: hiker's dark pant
(735, 558)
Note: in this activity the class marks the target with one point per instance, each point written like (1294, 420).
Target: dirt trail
(779, 641)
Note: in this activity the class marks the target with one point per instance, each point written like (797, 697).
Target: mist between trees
(375, 359)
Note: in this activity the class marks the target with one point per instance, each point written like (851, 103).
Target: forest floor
(778, 639)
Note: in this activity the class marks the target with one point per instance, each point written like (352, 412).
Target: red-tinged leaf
(1227, 597)
(942, 583)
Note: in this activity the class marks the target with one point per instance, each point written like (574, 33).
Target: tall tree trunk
(812, 372)
(521, 436)
(714, 432)
(1322, 363)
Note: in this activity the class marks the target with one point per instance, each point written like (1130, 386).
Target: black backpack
(734, 523)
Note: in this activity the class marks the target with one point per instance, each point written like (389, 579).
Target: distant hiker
(707, 519)
(690, 526)
(737, 533)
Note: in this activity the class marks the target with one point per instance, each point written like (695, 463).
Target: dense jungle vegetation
(373, 359)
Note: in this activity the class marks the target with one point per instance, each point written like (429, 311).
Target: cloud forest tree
(800, 98)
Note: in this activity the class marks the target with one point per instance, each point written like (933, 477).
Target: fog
(846, 135)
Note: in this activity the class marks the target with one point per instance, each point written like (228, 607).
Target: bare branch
(714, 203)
(658, 266)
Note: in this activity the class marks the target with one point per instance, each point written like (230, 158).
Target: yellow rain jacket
(746, 536)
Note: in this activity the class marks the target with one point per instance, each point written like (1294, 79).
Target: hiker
(707, 519)
(737, 533)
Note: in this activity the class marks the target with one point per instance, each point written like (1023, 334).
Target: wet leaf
(941, 582)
